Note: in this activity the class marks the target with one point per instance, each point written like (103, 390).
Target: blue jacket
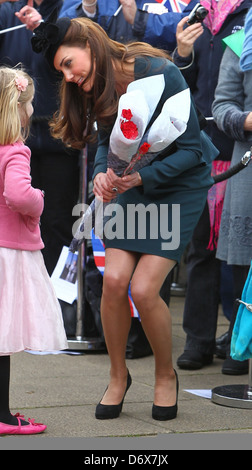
(159, 30)
(15, 48)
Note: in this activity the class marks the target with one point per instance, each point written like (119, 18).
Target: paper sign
(200, 393)
(64, 276)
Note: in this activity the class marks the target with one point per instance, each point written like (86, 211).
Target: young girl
(30, 316)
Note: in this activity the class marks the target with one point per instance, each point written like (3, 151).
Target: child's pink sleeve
(19, 194)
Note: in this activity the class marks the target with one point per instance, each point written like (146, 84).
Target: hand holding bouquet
(132, 145)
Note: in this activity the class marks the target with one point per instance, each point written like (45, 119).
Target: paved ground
(63, 390)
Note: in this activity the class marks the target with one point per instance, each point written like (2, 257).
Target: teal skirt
(161, 225)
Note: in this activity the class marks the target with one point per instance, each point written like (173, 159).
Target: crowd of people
(74, 61)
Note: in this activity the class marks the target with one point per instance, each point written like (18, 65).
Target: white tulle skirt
(30, 314)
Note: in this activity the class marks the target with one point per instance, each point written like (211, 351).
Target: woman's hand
(103, 189)
(186, 37)
(124, 183)
(106, 185)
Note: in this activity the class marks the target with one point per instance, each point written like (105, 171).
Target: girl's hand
(186, 37)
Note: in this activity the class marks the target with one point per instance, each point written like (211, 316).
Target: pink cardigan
(21, 205)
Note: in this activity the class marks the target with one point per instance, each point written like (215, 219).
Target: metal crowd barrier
(236, 396)
(82, 342)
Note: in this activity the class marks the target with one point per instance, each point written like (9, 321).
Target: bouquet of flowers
(131, 145)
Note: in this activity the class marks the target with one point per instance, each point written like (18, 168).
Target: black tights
(5, 414)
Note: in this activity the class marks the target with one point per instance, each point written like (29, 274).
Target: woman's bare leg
(116, 318)
(147, 281)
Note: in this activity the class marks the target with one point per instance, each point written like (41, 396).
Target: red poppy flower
(129, 130)
(144, 148)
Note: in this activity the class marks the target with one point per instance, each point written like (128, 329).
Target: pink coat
(21, 205)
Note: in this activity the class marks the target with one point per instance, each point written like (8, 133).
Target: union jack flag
(99, 259)
(177, 6)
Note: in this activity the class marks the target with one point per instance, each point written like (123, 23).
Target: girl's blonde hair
(16, 89)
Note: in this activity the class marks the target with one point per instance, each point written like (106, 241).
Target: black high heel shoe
(165, 413)
(112, 411)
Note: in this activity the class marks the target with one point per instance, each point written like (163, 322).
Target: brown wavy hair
(74, 121)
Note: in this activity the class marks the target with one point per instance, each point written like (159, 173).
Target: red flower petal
(127, 114)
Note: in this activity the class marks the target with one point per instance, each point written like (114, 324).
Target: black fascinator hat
(49, 35)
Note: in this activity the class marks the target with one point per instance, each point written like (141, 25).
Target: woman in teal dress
(96, 73)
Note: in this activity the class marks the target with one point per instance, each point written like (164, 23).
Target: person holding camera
(198, 55)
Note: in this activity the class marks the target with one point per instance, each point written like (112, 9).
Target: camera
(197, 15)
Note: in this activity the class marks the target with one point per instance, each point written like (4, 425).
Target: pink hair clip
(21, 83)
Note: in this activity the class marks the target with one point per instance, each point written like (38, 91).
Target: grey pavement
(63, 390)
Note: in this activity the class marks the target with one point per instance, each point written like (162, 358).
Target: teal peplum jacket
(159, 217)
